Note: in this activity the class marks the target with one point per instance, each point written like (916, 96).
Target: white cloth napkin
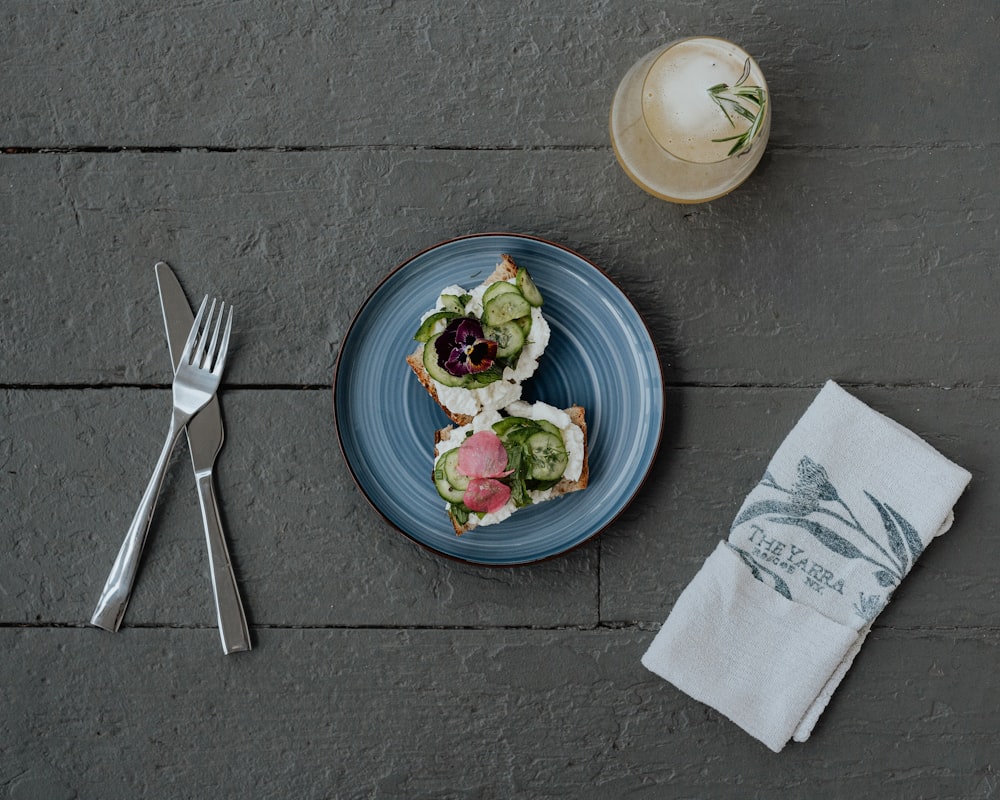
(769, 626)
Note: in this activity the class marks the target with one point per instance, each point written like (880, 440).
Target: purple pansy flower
(462, 349)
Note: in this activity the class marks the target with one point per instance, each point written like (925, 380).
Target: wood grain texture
(466, 714)
(451, 74)
(307, 548)
(817, 263)
(310, 551)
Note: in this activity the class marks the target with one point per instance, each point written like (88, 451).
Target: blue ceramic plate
(600, 356)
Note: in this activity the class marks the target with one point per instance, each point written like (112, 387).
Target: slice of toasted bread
(505, 270)
(577, 415)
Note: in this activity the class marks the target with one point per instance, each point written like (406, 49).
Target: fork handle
(118, 587)
(228, 606)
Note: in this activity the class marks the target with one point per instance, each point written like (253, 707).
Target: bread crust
(577, 415)
(505, 270)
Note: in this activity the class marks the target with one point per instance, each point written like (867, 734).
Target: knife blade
(205, 434)
(205, 431)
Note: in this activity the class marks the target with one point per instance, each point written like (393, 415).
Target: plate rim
(452, 556)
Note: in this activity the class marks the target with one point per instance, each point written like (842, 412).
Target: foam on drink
(663, 121)
(679, 111)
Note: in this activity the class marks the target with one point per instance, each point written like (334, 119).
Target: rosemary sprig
(734, 99)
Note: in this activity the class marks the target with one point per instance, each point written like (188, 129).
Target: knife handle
(228, 606)
(118, 587)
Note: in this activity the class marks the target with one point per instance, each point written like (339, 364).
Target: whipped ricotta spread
(508, 389)
(572, 437)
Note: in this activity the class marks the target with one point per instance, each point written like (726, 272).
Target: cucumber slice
(548, 456)
(449, 463)
(524, 323)
(496, 289)
(505, 308)
(527, 287)
(428, 326)
(452, 303)
(443, 485)
(509, 338)
(545, 425)
(435, 370)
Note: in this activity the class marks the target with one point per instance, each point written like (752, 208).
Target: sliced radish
(486, 495)
(483, 455)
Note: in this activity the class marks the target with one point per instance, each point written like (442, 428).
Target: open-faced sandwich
(497, 463)
(476, 347)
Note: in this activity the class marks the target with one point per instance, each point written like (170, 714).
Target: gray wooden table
(287, 156)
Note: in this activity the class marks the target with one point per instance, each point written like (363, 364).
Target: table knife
(205, 437)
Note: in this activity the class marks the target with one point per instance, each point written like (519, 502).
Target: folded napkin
(769, 626)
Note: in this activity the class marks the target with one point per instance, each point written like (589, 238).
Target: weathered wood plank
(717, 445)
(307, 548)
(459, 75)
(822, 261)
(287, 156)
(466, 714)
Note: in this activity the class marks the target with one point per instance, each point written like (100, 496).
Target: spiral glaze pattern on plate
(600, 356)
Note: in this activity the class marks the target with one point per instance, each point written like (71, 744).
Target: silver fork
(196, 381)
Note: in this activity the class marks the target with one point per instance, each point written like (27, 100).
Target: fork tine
(210, 354)
(220, 358)
(186, 352)
(200, 353)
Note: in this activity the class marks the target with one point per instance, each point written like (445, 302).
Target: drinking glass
(690, 120)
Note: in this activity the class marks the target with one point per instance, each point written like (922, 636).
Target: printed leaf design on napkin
(759, 572)
(761, 507)
(909, 533)
(891, 531)
(830, 540)
(813, 505)
(884, 578)
(869, 606)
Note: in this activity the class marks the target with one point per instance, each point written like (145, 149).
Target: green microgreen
(734, 100)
